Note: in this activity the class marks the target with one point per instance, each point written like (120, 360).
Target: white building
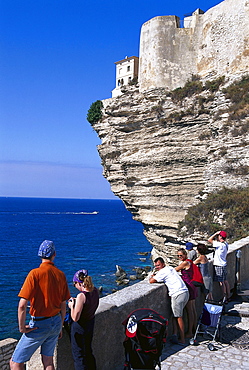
(126, 71)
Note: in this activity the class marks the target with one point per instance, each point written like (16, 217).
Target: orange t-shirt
(46, 288)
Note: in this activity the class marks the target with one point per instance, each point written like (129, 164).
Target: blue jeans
(81, 342)
(45, 336)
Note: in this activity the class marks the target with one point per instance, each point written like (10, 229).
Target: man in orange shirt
(47, 291)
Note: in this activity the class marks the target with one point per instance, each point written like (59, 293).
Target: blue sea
(92, 234)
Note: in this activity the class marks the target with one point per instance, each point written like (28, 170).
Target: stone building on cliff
(211, 44)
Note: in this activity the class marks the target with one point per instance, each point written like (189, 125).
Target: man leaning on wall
(177, 291)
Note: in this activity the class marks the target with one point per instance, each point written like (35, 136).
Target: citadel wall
(215, 43)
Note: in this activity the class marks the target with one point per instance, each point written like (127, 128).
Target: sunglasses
(180, 255)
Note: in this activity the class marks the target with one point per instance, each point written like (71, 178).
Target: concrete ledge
(7, 347)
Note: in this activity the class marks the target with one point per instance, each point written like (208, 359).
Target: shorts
(45, 336)
(220, 273)
(178, 303)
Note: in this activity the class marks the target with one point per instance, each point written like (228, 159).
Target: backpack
(145, 332)
(197, 276)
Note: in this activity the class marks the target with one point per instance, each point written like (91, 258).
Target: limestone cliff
(159, 154)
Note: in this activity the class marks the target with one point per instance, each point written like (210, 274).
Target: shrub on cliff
(94, 114)
(238, 93)
(227, 208)
(193, 86)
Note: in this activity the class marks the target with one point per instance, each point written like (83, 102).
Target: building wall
(114, 309)
(126, 70)
(215, 43)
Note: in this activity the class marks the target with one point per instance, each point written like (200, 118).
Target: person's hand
(60, 335)
(27, 329)
(71, 302)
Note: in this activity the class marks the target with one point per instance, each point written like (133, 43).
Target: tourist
(83, 309)
(191, 252)
(203, 264)
(47, 291)
(218, 240)
(177, 291)
(186, 269)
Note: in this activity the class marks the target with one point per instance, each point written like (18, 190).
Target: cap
(76, 275)
(131, 327)
(189, 245)
(46, 249)
(223, 234)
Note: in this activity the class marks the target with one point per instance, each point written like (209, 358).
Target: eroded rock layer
(159, 155)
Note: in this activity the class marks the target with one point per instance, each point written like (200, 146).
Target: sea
(92, 234)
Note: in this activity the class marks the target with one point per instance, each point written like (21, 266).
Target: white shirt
(169, 276)
(220, 254)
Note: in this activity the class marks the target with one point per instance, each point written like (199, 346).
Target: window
(128, 68)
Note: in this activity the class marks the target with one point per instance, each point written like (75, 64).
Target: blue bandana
(46, 249)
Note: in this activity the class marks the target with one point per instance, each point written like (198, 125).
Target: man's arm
(152, 280)
(63, 310)
(22, 307)
(211, 239)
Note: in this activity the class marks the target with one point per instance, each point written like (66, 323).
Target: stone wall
(214, 44)
(7, 347)
(113, 309)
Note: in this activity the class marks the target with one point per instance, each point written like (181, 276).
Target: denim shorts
(178, 303)
(45, 336)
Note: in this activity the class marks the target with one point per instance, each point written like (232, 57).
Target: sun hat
(76, 275)
(46, 249)
(189, 245)
(223, 234)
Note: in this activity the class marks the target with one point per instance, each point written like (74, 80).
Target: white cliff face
(214, 44)
(158, 165)
(159, 155)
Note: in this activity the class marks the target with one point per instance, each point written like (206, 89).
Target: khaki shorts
(178, 303)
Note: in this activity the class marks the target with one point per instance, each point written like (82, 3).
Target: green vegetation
(193, 86)
(94, 114)
(225, 209)
(214, 85)
(238, 93)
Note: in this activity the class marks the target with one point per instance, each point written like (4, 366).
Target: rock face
(158, 154)
(211, 44)
(158, 165)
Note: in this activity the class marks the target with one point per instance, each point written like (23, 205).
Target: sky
(57, 58)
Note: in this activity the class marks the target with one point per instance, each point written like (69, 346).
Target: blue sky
(56, 58)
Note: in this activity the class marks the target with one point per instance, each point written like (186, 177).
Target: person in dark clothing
(83, 309)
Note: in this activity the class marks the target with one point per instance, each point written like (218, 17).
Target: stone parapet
(7, 347)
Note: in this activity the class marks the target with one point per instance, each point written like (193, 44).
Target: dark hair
(87, 281)
(202, 248)
(159, 259)
(183, 250)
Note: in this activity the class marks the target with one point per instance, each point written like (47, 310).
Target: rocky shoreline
(124, 278)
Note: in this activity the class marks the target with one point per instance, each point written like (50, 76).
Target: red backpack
(197, 276)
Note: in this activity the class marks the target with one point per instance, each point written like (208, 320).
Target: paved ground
(231, 353)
